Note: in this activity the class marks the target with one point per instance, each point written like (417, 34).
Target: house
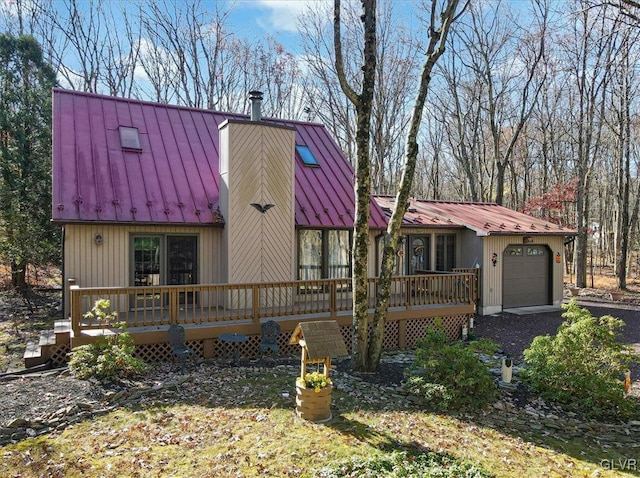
(520, 257)
(220, 221)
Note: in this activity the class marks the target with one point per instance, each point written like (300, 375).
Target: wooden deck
(209, 310)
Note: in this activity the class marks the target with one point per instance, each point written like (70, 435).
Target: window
(129, 138)
(306, 155)
(535, 251)
(445, 252)
(163, 260)
(339, 254)
(324, 254)
(309, 255)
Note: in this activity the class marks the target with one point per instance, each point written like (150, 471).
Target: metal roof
(483, 218)
(415, 216)
(174, 177)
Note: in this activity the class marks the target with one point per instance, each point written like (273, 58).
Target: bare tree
(368, 348)
(589, 50)
(396, 68)
(363, 103)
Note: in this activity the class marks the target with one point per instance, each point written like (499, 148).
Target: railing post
(333, 298)
(255, 303)
(75, 311)
(408, 293)
(173, 305)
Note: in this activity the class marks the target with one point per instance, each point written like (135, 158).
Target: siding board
(107, 265)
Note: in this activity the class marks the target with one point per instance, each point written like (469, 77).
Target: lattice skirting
(453, 327)
(58, 355)
(415, 330)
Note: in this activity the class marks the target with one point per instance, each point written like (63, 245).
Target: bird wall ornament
(262, 208)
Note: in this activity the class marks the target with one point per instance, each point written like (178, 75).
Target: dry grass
(244, 426)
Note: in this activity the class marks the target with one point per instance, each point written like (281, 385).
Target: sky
(278, 18)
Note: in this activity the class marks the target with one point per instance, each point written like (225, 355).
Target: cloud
(283, 15)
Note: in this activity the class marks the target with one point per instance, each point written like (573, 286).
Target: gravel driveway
(515, 332)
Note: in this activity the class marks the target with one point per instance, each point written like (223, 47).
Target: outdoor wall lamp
(98, 239)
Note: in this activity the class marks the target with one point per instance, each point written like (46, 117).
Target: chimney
(256, 99)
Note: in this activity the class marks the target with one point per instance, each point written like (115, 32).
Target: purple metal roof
(174, 177)
(483, 218)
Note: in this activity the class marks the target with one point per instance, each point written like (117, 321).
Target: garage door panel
(525, 276)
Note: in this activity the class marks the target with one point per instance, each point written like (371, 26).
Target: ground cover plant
(110, 357)
(448, 374)
(582, 365)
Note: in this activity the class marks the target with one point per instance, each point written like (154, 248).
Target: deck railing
(201, 304)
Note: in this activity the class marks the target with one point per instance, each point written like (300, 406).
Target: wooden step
(33, 355)
(62, 326)
(47, 337)
(62, 329)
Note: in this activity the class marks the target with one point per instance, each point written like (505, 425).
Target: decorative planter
(575, 292)
(312, 406)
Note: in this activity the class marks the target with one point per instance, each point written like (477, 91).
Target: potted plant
(313, 397)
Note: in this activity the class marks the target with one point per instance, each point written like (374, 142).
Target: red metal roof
(174, 177)
(483, 218)
(415, 215)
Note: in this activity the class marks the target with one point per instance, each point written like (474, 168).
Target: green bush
(448, 375)
(403, 464)
(582, 365)
(109, 357)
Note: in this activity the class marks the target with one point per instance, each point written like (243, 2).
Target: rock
(18, 423)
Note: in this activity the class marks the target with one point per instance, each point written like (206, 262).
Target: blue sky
(277, 18)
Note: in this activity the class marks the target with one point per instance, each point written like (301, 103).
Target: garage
(525, 274)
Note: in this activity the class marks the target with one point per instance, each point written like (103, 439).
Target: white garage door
(525, 275)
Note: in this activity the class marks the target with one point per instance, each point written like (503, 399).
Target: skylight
(306, 155)
(129, 138)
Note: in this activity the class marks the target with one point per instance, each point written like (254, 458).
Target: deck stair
(53, 345)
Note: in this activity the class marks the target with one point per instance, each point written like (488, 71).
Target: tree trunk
(437, 41)
(19, 275)
(363, 103)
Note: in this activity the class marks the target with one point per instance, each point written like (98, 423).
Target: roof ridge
(266, 119)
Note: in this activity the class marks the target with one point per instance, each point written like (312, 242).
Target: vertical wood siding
(492, 276)
(107, 264)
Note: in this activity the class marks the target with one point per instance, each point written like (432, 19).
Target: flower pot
(313, 406)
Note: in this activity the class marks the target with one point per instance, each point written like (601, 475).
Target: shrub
(448, 375)
(581, 366)
(403, 464)
(109, 357)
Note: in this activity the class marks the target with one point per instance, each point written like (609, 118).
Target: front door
(419, 254)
